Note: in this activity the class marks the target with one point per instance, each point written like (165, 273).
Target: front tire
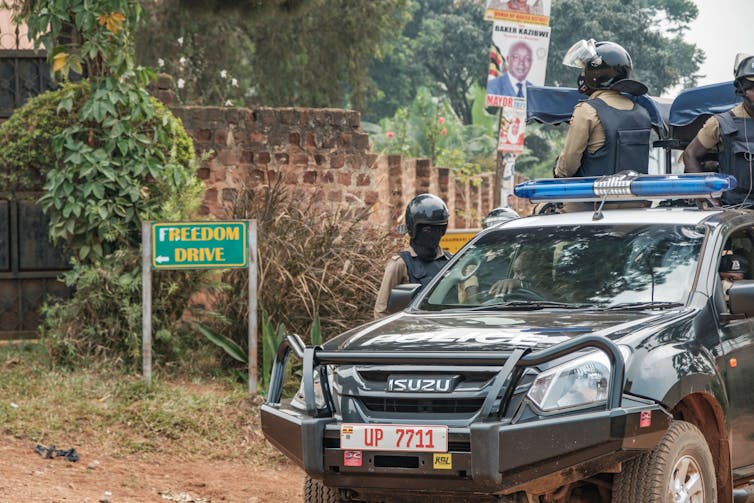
(679, 470)
(317, 492)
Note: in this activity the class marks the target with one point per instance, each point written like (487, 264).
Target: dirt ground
(25, 476)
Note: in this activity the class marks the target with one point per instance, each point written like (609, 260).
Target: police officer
(499, 215)
(608, 132)
(732, 268)
(426, 221)
(731, 135)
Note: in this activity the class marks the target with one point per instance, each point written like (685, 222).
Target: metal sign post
(199, 245)
(253, 349)
(146, 302)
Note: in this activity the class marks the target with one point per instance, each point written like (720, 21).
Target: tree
(321, 55)
(205, 51)
(115, 158)
(453, 47)
(661, 58)
(255, 7)
(444, 48)
(294, 53)
(115, 162)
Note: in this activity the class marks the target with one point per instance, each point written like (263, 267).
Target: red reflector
(351, 458)
(645, 419)
(733, 363)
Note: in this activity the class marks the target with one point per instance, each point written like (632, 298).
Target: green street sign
(199, 245)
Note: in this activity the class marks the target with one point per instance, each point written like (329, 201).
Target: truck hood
(494, 331)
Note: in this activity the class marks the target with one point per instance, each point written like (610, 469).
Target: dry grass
(118, 413)
(313, 259)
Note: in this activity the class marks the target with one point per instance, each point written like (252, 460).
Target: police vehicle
(576, 357)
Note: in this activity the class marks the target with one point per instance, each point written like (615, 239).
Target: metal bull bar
(515, 363)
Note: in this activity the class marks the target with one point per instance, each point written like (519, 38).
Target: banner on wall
(519, 11)
(512, 125)
(518, 59)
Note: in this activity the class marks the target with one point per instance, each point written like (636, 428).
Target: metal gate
(23, 75)
(29, 265)
(30, 268)
(24, 72)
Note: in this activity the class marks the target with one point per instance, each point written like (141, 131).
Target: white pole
(252, 307)
(146, 300)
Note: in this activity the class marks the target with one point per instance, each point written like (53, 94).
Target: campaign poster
(518, 59)
(519, 11)
(512, 125)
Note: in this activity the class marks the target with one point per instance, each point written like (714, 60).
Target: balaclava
(427, 240)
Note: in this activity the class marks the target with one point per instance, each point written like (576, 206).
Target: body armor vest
(420, 271)
(626, 141)
(737, 156)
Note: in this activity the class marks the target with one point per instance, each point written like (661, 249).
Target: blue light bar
(626, 186)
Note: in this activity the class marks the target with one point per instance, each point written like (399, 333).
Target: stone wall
(325, 153)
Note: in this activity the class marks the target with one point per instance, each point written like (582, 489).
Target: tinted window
(596, 265)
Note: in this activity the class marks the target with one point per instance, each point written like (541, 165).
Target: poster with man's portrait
(519, 11)
(518, 59)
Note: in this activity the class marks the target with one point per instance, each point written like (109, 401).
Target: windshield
(574, 266)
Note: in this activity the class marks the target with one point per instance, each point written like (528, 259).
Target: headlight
(583, 381)
(299, 402)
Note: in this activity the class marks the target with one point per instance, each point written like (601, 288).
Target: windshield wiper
(639, 306)
(529, 304)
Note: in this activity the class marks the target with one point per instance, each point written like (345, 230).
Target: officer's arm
(468, 290)
(705, 139)
(692, 156)
(395, 274)
(576, 142)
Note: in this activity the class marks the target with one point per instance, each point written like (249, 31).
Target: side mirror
(741, 295)
(401, 296)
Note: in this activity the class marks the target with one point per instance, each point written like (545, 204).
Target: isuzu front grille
(417, 406)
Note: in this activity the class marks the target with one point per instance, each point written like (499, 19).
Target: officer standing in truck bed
(608, 132)
(731, 135)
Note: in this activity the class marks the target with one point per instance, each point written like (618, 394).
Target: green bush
(102, 174)
(103, 320)
(107, 157)
(96, 206)
(27, 137)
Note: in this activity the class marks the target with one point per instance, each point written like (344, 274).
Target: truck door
(737, 338)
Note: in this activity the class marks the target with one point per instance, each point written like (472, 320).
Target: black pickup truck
(559, 358)
(611, 368)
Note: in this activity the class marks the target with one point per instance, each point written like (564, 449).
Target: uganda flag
(497, 62)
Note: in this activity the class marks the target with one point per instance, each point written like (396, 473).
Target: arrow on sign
(162, 259)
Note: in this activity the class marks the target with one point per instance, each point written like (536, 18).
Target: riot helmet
(743, 71)
(498, 216)
(603, 64)
(425, 209)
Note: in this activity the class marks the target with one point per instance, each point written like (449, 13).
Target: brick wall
(323, 152)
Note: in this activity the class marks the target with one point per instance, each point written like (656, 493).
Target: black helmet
(499, 215)
(603, 64)
(425, 209)
(743, 70)
(613, 64)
